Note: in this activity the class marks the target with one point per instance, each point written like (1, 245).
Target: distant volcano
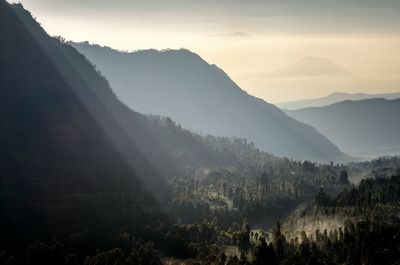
(310, 66)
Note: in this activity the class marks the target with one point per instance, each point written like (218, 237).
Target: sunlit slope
(200, 96)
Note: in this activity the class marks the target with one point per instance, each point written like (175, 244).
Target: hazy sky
(248, 39)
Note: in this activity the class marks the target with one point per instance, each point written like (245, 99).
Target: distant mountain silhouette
(310, 66)
(332, 98)
(200, 96)
(369, 127)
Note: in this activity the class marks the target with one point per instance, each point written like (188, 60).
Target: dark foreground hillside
(71, 152)
(65, 160)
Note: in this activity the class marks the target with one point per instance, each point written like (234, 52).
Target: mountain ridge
(331, 99)
(202, 97)
(367, 128)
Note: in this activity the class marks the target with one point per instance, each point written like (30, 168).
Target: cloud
(236, 34)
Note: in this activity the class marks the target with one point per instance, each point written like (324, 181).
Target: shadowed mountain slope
(65, 159)
(368, 127)
(200, 96)
(72, 155)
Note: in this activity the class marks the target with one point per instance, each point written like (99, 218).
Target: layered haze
(203, 98)
(248, 40)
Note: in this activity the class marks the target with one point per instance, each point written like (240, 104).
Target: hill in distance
(201, 97)
(332, 98)
(365, 128)
(310, 67)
